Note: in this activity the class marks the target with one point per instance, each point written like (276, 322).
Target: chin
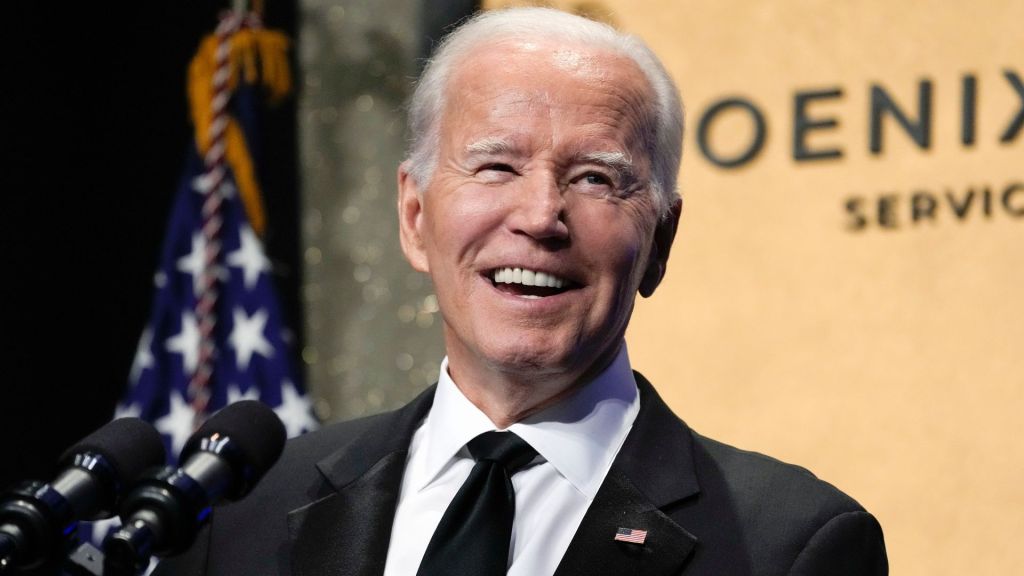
(536, 359)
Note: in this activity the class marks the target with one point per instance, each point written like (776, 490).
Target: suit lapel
(347, 531)
(654, 469)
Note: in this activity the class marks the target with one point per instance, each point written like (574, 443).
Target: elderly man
(539, 195)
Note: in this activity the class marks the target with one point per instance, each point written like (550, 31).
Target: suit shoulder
(318, 443)
(754, 506)
(301, 453)
(752, 475)
(252, 535)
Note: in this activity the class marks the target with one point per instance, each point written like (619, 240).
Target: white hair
(663, 131)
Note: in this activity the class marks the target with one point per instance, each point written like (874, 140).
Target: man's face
(542, 178)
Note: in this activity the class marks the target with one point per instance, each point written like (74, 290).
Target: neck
(509, 402)
(507, 397)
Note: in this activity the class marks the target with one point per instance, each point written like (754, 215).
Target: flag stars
(127, 411)
(205, 182)
(194, 263)
(249, 257)
(227, 271)
(247, 337)
(143, 356)
(177, 423)
(186, 342)
(294, 411)
(235, 394)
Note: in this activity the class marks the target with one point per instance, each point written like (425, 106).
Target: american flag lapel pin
(630, 535)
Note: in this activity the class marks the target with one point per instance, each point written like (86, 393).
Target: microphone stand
(84, 560)
(88, 560)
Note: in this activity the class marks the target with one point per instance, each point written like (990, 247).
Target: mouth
(531, 284)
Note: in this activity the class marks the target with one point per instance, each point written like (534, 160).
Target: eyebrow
(490, 146)
(620, 162)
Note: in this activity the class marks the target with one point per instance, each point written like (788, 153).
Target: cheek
(474, 203)
(616, 241)
(459, 220)
(611, 230)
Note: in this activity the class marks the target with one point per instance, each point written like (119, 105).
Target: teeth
(527, 277)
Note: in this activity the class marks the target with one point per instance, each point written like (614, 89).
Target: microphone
(223, 460)
(37, 519)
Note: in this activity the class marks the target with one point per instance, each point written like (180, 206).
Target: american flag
(254, 356)
(630, 535)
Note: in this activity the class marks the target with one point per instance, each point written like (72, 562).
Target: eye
(595, 179)
(594, 182)
(495, 172)
(497, 167)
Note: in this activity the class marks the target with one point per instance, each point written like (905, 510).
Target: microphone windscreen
(129, 445)
(252, 426)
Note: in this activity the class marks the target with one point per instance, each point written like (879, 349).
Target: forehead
(511, 85)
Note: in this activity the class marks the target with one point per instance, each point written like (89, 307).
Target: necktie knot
(474, 534)
(505, 448)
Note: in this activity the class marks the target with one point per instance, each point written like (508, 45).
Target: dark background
(95, 127)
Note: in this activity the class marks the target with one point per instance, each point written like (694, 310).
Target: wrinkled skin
(542, 165)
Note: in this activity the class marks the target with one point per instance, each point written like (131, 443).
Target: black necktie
(473, 536)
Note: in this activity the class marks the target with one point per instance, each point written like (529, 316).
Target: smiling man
(538, 218)
(540, 197)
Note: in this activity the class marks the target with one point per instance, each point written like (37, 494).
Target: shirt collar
(579, 436)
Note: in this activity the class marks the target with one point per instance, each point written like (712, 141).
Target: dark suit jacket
(327, 506)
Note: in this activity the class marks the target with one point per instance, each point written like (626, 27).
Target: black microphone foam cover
(223, 459)
(129, 445)
(253, 427)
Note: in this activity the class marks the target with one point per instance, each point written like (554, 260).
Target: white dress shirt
(576, 441)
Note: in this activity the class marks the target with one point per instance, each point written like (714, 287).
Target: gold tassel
(256, 56)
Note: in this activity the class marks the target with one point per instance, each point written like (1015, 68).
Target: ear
(664, 234)
(410, 219)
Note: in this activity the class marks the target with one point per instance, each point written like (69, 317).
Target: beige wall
(884, 353)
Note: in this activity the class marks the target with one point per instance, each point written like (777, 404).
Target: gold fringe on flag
(257, 56)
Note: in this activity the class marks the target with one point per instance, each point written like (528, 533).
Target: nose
(540, 210)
